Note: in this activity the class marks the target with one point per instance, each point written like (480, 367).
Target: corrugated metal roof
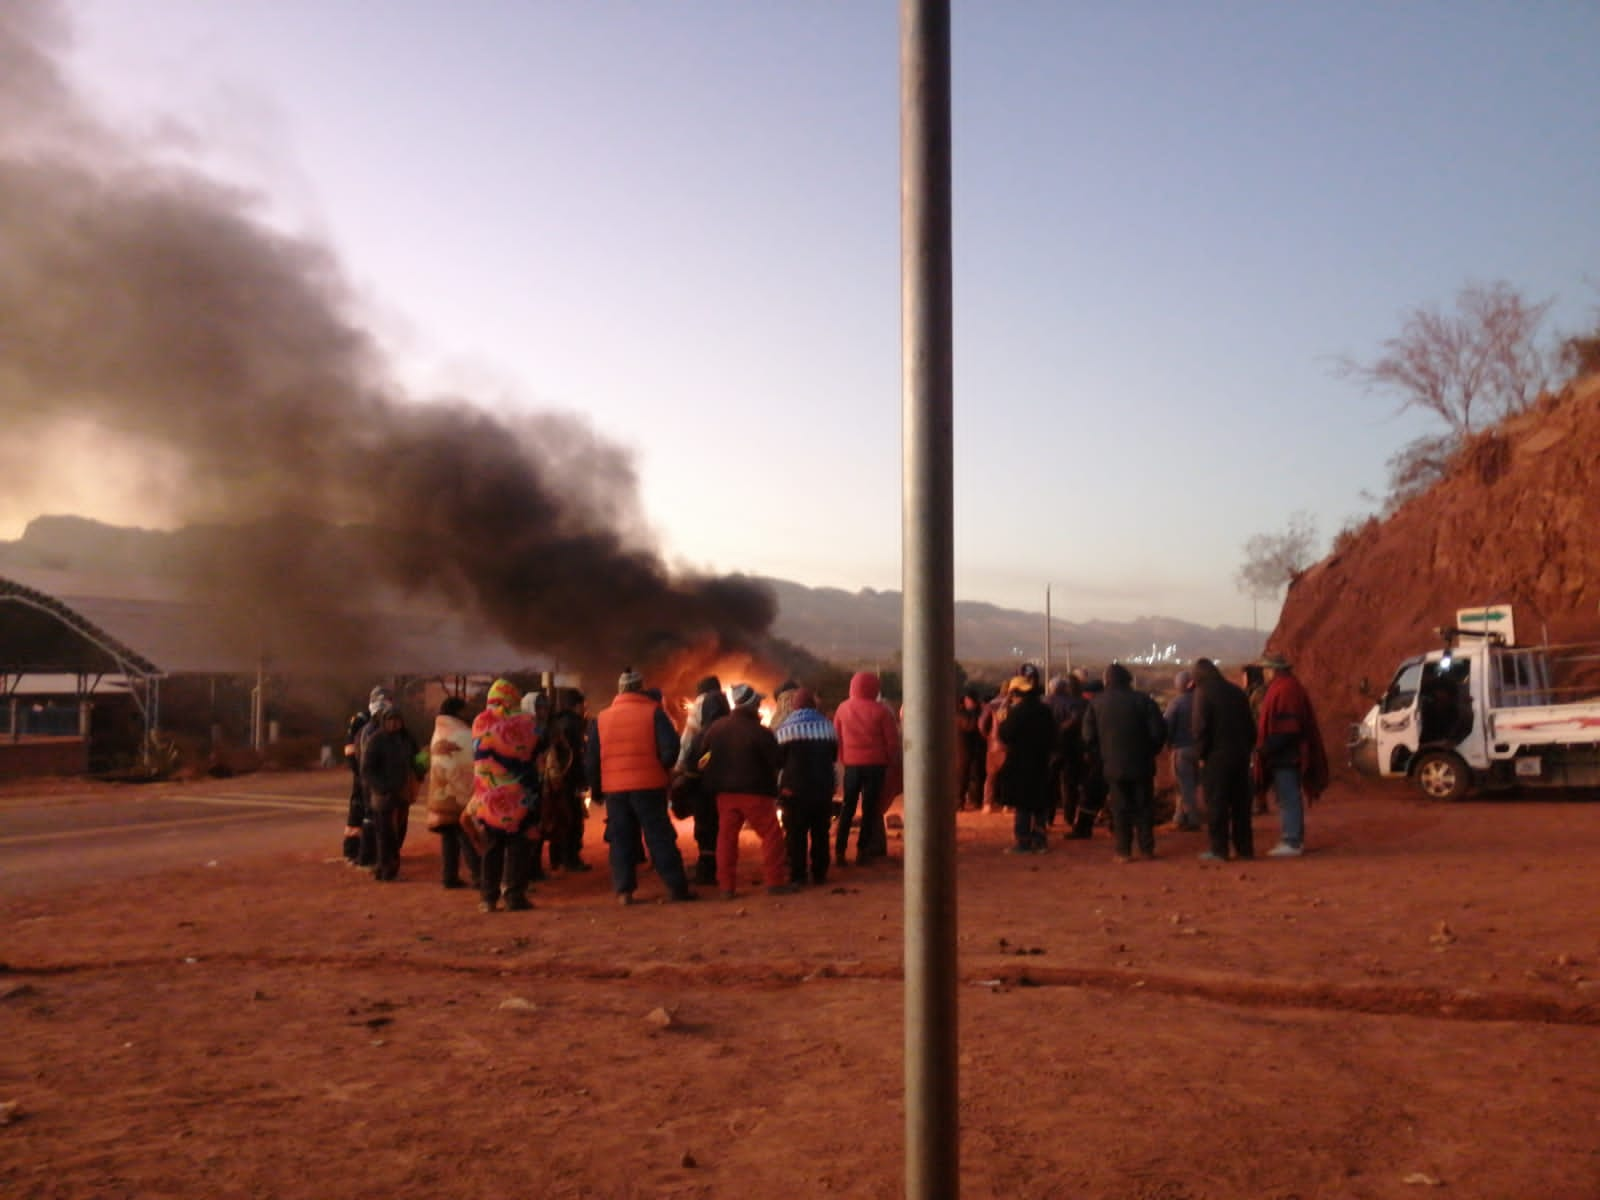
(62, 621)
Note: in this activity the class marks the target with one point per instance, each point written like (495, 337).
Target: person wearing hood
(1029, 732)
(387, 763)
(739, 766)
(360, 843)
(710, 705)
(808, 747)
(450, 790)
(629, 751)
(505, 795)
(1290, 757)
(1125, 729)
(1179, 716)
(869, 743)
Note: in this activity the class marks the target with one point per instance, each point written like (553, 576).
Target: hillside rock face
(1515, 521)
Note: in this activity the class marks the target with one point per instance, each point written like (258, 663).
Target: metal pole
(932, 1115)
(1047, 633)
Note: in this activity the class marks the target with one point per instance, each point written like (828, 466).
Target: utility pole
(933, 1125)
(1047, 633)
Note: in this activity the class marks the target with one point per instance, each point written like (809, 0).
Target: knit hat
(745, 696)
(630, 681)
(805, 698)
(505, 695)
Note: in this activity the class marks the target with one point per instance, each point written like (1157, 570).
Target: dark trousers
(706, 824)
(1228, 801)
(455, 849)
(355, 813)
(1091, 801)
(1028, 827)
(507, 864)
(805, 831)
(572, 839)
(390, 817)
(973, 771)
(1133, 814)
(630, 815)
(863, 785)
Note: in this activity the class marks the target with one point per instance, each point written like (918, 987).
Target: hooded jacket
(505, 794)
(869, 736)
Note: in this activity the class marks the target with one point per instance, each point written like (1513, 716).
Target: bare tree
(1272, 560)
(1482, 361)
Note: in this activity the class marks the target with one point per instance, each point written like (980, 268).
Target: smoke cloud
(150, 307)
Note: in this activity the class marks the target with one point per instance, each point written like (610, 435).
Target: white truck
(1483, 712)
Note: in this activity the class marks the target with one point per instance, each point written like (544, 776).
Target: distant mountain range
(850, 628)
(864, 626)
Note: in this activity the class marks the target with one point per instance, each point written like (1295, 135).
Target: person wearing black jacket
(1126, 730)
(1224, 737)
(387, 762)
(565, 786)
(739, 766)
(1028, 731)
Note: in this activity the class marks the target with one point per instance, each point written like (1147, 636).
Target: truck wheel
(1441, 775)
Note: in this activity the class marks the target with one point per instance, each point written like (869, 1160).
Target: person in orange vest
(628, 755)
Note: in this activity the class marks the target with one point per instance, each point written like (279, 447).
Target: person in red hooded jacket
(869, 744)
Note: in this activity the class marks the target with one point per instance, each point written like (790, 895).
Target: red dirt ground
(1414, 1006)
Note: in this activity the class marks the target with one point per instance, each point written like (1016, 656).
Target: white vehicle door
(1399, 727)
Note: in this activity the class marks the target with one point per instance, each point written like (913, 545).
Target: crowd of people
(1084, 748)
(518, 782)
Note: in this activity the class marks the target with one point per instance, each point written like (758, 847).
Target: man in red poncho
(1289, 753)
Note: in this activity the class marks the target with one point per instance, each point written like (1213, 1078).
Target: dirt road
(1411, 1009)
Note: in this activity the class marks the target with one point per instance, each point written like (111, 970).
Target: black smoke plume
(141, 299)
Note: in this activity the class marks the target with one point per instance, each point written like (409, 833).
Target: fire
(677, 676)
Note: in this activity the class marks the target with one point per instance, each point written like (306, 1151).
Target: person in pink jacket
(869, 744)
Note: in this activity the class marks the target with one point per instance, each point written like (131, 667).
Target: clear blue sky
(682, 219)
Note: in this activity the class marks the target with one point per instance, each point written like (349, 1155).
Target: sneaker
(518, 904)
(455, 883)
(624, 899)
(486, 906)
(1284, 850)
(1019, 849)
(726, 895)
(782, 889)
(685, 895)
(1210, 856)
(1121, 858)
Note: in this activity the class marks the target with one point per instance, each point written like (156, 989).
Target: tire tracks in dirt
(1450, 1004)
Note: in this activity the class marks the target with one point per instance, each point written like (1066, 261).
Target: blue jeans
(1186, 766)
(1291, 806)
(626, 814)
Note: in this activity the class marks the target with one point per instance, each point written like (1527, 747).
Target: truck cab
(1481, 711)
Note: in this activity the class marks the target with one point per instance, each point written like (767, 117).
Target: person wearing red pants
(739, 762)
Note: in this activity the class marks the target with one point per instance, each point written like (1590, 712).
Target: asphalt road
(51, 840)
